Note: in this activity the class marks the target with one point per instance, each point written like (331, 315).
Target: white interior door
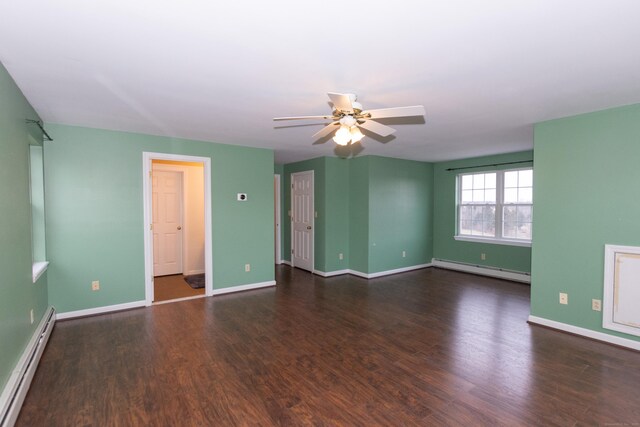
(167, 222)
(302, 216)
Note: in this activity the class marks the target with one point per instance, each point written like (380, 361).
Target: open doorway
(177, 227)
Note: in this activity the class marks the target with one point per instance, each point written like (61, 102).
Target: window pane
(489, 214)
(478, 195)
(467, 182)
(525, 195)
(511, 179)
(490, 180)
(509, 214)
(511, 195)
(465, 212)
(525, 178)
(478, 181)
(477, 228)
(467, 196)
(524, 214)
(524, 231)
(490, 229)
(478, 213)
(490, 196)
(509, 229)
(465, 226)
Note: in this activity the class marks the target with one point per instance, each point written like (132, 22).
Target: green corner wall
(18, 294)
(445, 247)
(586, 195)
(369, 209)
(95, 213)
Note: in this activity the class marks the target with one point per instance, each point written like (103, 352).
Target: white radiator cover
(621, 302)
(16, 388)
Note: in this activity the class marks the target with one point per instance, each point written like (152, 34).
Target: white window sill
(38, 269)
(493, 241)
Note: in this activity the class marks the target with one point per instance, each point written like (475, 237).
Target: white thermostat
(242, 197)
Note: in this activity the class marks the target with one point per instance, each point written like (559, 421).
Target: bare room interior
(284, 213)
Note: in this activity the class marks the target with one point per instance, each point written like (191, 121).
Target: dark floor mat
(196, 281)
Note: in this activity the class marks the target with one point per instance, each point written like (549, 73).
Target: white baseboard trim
(20, 378)
(388, 272)
(193, 272)
(285, 262)
(179, 299)
(516, 276)
(101, 310)
(331, 273)
(600, 336)
(244, 287)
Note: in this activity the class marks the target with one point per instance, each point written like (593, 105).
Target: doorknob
(179, 228)
(308, 227)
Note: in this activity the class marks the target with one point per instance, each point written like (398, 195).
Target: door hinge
(151, 227)
(150, 174)
(291, 185)
(291, 251)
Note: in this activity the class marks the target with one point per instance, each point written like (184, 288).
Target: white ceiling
(220, 71)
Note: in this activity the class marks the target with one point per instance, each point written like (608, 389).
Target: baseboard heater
(16, 388)
(483, 270)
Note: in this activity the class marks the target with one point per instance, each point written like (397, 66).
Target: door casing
(147, 158)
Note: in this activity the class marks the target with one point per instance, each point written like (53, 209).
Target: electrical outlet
(340, 256)
(596, 305)
(483, 256)
(95, 285)
(404, 254)
(564, 298)
(247, 267)
(31, 316)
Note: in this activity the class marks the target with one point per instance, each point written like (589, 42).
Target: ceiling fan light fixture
(356, 135)
(343, 136)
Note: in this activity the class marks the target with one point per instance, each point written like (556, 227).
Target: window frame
(499, 210)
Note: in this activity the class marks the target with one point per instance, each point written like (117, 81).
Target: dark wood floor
(430, 347)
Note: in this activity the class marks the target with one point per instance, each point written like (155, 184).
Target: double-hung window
(496, 206)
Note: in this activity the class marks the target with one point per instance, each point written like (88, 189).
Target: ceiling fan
(348, 116)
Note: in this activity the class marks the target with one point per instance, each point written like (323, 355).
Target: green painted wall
(586, 195)
(445, 247)
(336, 214)
(95, 213)
(359, 213)
(18, 295)
(400, 213)
(367, 200)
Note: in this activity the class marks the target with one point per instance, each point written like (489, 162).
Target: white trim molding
(287, 262)
(599, 336)
(38, 269)
(241, 288)
(331, 273)
(179, 299)
(101, 310)
(389, 272)
(147, 158)
(17, 386)
(517, 276)
(493, 241)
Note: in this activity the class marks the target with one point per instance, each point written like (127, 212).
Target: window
(496, 206)
(36, 184)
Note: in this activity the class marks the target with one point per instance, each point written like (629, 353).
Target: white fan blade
(326, 130)
(377, 128)
(304, 118)
(383, 113)
(341, 102)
